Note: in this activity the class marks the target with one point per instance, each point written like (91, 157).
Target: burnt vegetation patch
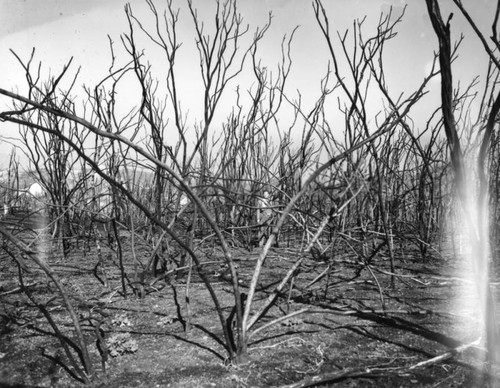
(253, 244)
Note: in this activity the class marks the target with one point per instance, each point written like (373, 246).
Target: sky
(61, 29)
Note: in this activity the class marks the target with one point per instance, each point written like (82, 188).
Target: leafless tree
(212, 187)
(476, 212)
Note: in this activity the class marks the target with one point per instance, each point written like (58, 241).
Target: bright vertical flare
(475, 299)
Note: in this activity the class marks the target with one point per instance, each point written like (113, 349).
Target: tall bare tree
(475, 210)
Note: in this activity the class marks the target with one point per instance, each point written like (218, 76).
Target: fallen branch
(447, 355)
(411, 277)
(18, 289)
(373, 372)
